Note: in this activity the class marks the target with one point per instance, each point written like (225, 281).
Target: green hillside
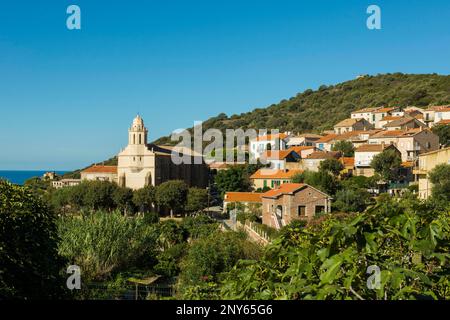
(314, 111)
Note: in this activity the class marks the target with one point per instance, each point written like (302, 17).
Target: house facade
(293, 201)
(427, 162)
(364, 156)
(100, 173)
(267, 142)
(272, 178)
(312, 162)
(352, 124)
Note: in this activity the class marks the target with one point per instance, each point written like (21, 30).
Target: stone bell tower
(137, 134)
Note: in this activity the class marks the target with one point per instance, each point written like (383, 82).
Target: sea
(20, 176)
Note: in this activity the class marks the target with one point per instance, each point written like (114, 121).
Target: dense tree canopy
(440, 178)
(387, 164)
(30, 265)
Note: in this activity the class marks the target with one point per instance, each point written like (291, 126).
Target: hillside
(314, 111)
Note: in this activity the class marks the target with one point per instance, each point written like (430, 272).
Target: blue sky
(68, 97)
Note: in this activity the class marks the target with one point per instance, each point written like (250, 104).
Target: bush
(103, 243)
(30, 266)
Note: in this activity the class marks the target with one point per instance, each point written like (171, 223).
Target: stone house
(293, 201)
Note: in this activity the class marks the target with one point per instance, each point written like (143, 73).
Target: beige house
(262, 143)
(427, 162)
(100, 173)
(352, 124)
(312, 162)
(293, 201)
(364, 156)
(404, 123)
(272, 178)
(65, 183)
(281, 159)
(410, 143)
(305, 139)
(141, 164)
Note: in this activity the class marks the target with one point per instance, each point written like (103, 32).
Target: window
(134, 139)
(265, 183)
(301, 211)
(139, 139)
(319, 209)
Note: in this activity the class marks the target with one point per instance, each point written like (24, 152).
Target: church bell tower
(137, 134)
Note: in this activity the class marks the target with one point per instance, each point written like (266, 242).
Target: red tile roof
(285, 188)
(327, 138)
(242, 197)
(348, 161)
(444, 122)
(324, 155)
(276, 154)
(372, 147)
(100, 169)
(274, 174)
(271, 137)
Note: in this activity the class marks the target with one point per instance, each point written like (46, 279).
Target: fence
(98, 291)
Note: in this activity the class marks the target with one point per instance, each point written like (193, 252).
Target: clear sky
(68, 97)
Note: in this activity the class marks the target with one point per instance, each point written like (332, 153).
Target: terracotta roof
(308, 135)
(327, 138)
(100, 169)
(348, 161)
(347, 122)
(266, 173)
(384, 110)
(388, 134)
(444, 121)
(270, 137)
(390, 118)
(407, 164)
(399, 122)
(372, 147)
(438, 108)
(298, 150)
(365, 110)
(277, 154)
(218, 165)
(285, 188)
(242, 197)
(324, 155)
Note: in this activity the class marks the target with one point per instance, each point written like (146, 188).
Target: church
(141, 164)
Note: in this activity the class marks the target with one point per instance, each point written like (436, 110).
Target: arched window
(134, 139)
(140, 139)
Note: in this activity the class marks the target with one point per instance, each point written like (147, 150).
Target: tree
(443, 131)
(123, 199)
(172, 195)
(144, 198)
(322, 180)
(197, 199)
(352, 200)
(440, 178)
(30, 265)
(345, 147)
(233, 179)
(332, 166)
(387, 164)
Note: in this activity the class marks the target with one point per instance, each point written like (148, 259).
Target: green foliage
(123, 199)
(172, 195)
(332, 166)
(443, 132)
(321, 109)
(408, 240)
(199, 226)
(29, 263)
(440, 178)
(197, 199)
(106, 242)
(170, 234)
(210, 256)
(236, 178)
(352, 199)
(144, 198)
(169, 260)
(345, 147)
(387, 164)
(322, 180)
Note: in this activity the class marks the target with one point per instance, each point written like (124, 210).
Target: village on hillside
(276, 191)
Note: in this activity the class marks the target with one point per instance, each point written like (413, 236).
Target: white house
(267, 142)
